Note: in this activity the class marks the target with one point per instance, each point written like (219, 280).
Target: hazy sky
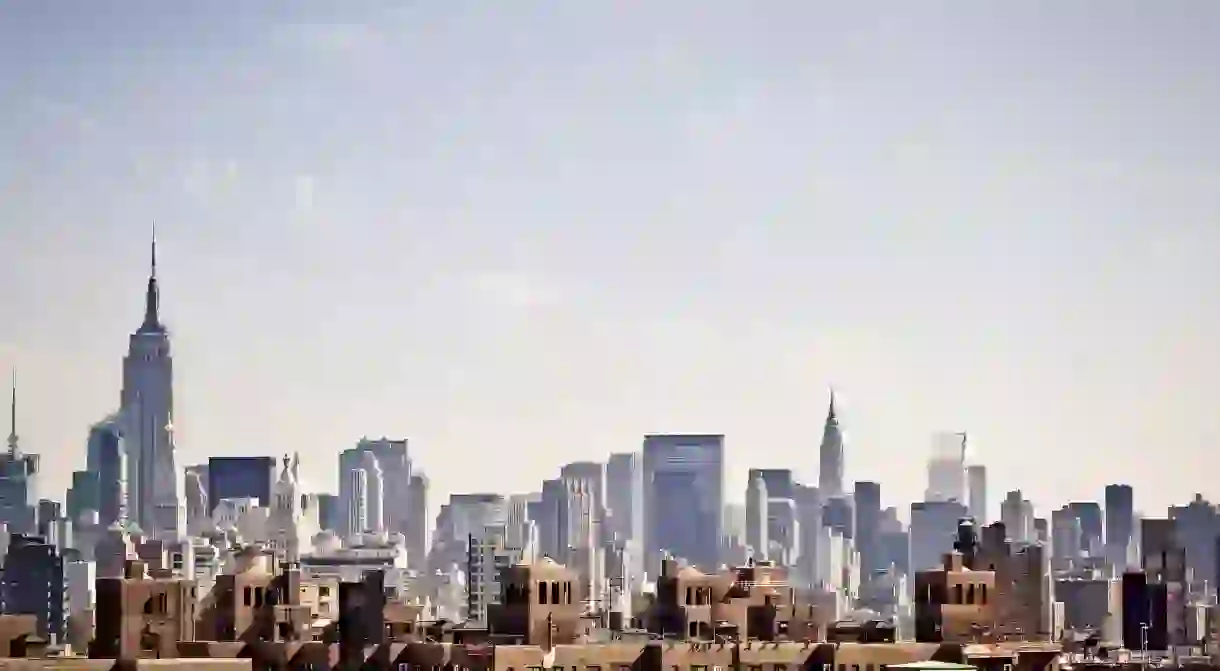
(524, 233)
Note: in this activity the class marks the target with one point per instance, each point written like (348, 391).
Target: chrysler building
(154, 482)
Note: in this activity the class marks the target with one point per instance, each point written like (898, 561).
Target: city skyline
(468, 286)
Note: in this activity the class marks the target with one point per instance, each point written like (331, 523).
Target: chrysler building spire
(152, 296)
(830, 457)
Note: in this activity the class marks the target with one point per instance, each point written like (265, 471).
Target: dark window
(957, 593)
(249, 600)
(542, 593)
(983, 595)
(555, 593)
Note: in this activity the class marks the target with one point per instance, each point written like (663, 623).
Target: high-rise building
(830, 455)
(240, 478)
(418, 523)
(32, 583)
(108, 456)
(395, 463)
(756, 515)
(947, 468)
(625, 495)
(684, 497)
(153, 479)
(867, 499)
(375, 483)
(1120, 525)
(18, 479)
(358, 503)
(932, 531)
(1017, 514)
(976, 495)
(328, 511)
(1092, 526)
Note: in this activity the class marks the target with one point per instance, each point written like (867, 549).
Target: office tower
(110, 454)
(625, 495)
(375, 493)
(240, 478)
(1196, 526)
(195, 497)
(947, 468)
(328, 511)
(32, 583)
(1017, 515)
(840, 514)
(756, 516)
(830, 455)
(1163, 558)
(153, 480)
(780, 482)
(684, 497)
(584, 483)
(932, 532)
(1120, 524)
(18, 479)
(1065, 539)
(976, 485)
(83, 495)
(867, 499)
(358, 501)
(395, 465)
(551, 519)
(589, 478)
(1092, 526)
(418, 523)
(809, 512)
(48, 514)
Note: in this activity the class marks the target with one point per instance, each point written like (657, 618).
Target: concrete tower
(153, 480)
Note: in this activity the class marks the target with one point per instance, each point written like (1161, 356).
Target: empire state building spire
(152, 297)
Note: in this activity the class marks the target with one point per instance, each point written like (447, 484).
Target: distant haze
(527, 233)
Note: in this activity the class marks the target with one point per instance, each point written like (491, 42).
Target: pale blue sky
(524, 233)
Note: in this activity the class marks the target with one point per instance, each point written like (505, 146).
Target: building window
(957, 593)
(983, 594)
(542, 595)
(555, 593)
(249, 600)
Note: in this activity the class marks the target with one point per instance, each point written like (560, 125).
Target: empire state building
(154, 483)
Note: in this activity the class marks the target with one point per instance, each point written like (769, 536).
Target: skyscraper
(976, 485)
(154, 481)
(625, 496)
(240, 477)
(108, 458)
(18, 479)
(947, 468)
(684, 497)
(395, 466)
(830, 455)
(1120, 524)
(756, 515)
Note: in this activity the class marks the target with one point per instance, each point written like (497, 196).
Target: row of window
(550, 592)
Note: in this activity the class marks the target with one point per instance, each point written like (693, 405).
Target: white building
(293, 519)
(374, 493)
(947, 469)
(80, 578)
